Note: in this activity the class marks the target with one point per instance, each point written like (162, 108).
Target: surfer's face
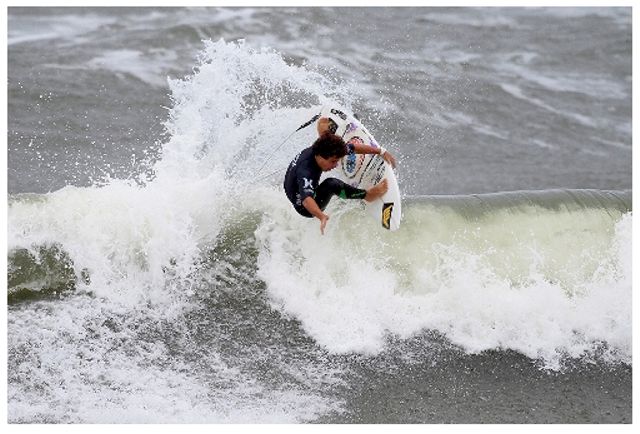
(327, 164)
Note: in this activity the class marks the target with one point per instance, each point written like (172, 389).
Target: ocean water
(157, 273)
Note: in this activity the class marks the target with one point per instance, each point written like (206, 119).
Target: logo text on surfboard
(387, 210)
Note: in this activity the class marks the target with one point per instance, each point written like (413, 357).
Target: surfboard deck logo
(387, 210)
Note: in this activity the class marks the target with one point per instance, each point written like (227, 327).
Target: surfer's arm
(323, 126)
(312, 206)
(361, 148)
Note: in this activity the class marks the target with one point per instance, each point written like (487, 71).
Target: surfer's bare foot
(376, 191)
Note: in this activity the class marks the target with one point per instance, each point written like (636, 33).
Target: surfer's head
(328, 150)
(329, 145)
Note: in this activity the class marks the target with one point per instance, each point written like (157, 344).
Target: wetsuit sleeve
(306, 185)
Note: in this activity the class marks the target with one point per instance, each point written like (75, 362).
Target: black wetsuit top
(301, 180)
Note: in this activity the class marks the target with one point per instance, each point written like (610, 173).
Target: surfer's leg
(333, 186)
(377, 191)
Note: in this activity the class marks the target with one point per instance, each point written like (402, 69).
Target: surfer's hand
(323, 222)
(389, 158)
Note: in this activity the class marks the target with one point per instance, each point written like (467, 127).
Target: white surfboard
(365, 170)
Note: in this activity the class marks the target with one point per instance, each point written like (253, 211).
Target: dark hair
(329, 145)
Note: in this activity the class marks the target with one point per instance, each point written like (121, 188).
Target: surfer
(301, 180)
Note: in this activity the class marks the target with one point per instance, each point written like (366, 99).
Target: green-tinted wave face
(43, 272)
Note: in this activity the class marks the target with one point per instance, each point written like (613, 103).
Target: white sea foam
(225, 126)
(74, 369)
(139, 242)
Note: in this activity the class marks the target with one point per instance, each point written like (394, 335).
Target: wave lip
(559, 199)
